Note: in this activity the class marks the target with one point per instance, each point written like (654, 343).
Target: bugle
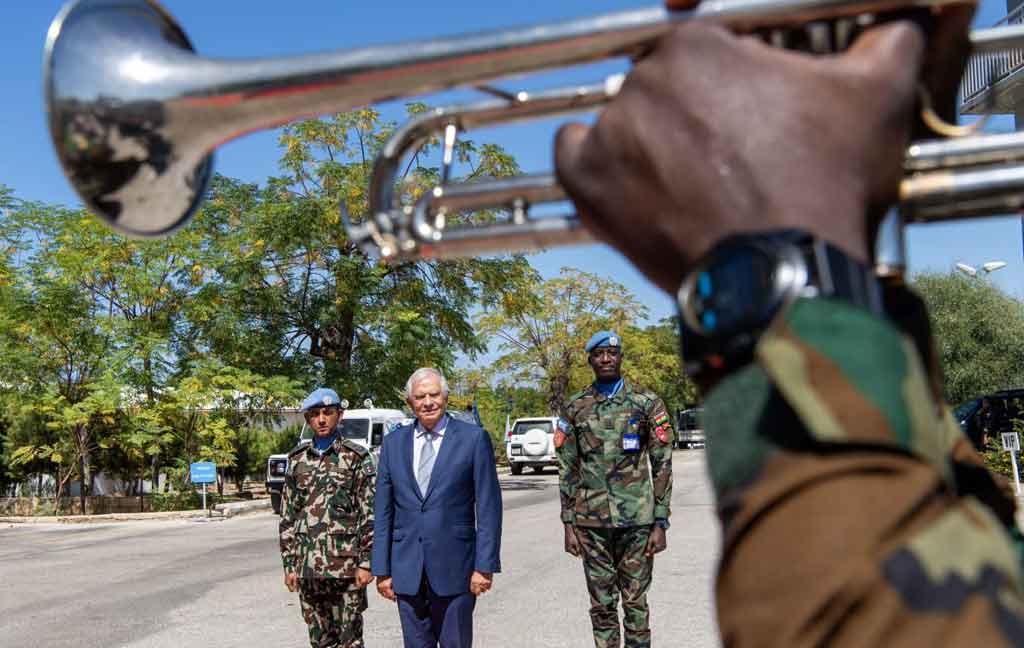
(135, 114)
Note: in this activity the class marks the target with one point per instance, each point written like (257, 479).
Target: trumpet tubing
(135, 114)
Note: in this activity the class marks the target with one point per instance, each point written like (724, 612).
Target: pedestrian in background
(615, 480)
(327, 526)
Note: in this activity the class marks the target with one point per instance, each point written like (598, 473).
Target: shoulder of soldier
(354, 447)
(642, 393)
(297, 450)
(580, 399)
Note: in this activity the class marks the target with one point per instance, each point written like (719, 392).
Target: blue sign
(203, 472)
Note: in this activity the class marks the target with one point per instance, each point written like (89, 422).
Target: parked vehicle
(1007, 405)
(367, 427)
(689, 428)
(531, 443)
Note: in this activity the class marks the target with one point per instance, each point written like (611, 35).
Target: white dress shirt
(419, 439)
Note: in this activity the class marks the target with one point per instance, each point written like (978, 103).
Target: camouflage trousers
(333, 610)
(615, 564)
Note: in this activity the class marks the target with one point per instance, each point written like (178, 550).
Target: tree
(206, 410)
(979, 334)
(541, 331)
(78, 428)
(285, 291)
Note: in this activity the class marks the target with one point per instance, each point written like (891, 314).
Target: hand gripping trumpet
(135, 115)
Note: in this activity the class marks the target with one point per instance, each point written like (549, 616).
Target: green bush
(997, 459)
(187, 500)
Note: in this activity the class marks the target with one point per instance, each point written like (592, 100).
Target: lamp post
(988, 267)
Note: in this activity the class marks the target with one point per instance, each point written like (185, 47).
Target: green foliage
(998, 460)
(541, 327)
(136, 357)
(979, 334)
(294, 296)
(541, 330)
(186, 499)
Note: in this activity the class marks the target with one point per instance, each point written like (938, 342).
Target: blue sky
(237, 29)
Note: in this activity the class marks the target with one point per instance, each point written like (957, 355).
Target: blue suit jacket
(451, 532)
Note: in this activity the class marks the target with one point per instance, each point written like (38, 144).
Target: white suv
(531, 442)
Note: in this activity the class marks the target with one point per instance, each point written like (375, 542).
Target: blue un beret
(603, 339)
(320, 398)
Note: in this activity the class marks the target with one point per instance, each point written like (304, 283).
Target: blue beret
(603, 339)
(321, 397)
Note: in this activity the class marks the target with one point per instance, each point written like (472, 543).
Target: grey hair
(422, 373)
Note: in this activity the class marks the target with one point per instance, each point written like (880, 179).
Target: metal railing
(984, 71)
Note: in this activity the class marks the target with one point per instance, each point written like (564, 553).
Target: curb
(220, 511)
(236, 508)
(109, 517)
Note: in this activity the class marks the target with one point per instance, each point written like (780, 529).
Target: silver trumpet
(135, 114)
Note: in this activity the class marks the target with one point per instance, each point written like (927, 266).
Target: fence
(986, 70)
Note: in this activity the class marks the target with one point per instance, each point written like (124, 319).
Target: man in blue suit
(437, 519)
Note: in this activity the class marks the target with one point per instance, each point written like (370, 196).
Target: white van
(531, 442)
(367, 427)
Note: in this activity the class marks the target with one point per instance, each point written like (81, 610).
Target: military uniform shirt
(601, 482)
(327, 521)
(854, 512)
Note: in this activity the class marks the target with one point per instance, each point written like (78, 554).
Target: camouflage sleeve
(829, 457)
(367, 479)
(660, 454)
(290, 510)
(568, 469)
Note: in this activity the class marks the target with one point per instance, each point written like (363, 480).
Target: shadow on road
(525, 485)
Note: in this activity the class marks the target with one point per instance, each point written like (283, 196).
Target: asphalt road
(219, 583)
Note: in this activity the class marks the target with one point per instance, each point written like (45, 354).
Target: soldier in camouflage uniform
(854, 512)
(327, 527)
(615, 479)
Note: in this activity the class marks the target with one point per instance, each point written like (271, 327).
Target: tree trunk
(335, 342)
(58, 493)
(557, 389)
(83, 481)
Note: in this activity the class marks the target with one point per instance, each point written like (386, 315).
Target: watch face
(740, 288)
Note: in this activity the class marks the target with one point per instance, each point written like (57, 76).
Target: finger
(679, 5)
(947, 50)
(874, 51)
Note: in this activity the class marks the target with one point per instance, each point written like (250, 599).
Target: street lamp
(988, 267)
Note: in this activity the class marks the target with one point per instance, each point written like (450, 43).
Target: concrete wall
(96, 505)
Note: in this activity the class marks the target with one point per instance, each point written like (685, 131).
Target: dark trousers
(429, 620)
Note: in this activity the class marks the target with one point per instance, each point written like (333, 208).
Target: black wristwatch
(737, 290)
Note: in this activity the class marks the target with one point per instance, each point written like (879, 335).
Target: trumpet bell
(115, 77)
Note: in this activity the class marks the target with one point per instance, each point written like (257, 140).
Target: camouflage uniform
(612, 498)
(854, 512)
(326, 533)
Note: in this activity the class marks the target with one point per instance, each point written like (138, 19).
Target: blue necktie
(426, 465)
